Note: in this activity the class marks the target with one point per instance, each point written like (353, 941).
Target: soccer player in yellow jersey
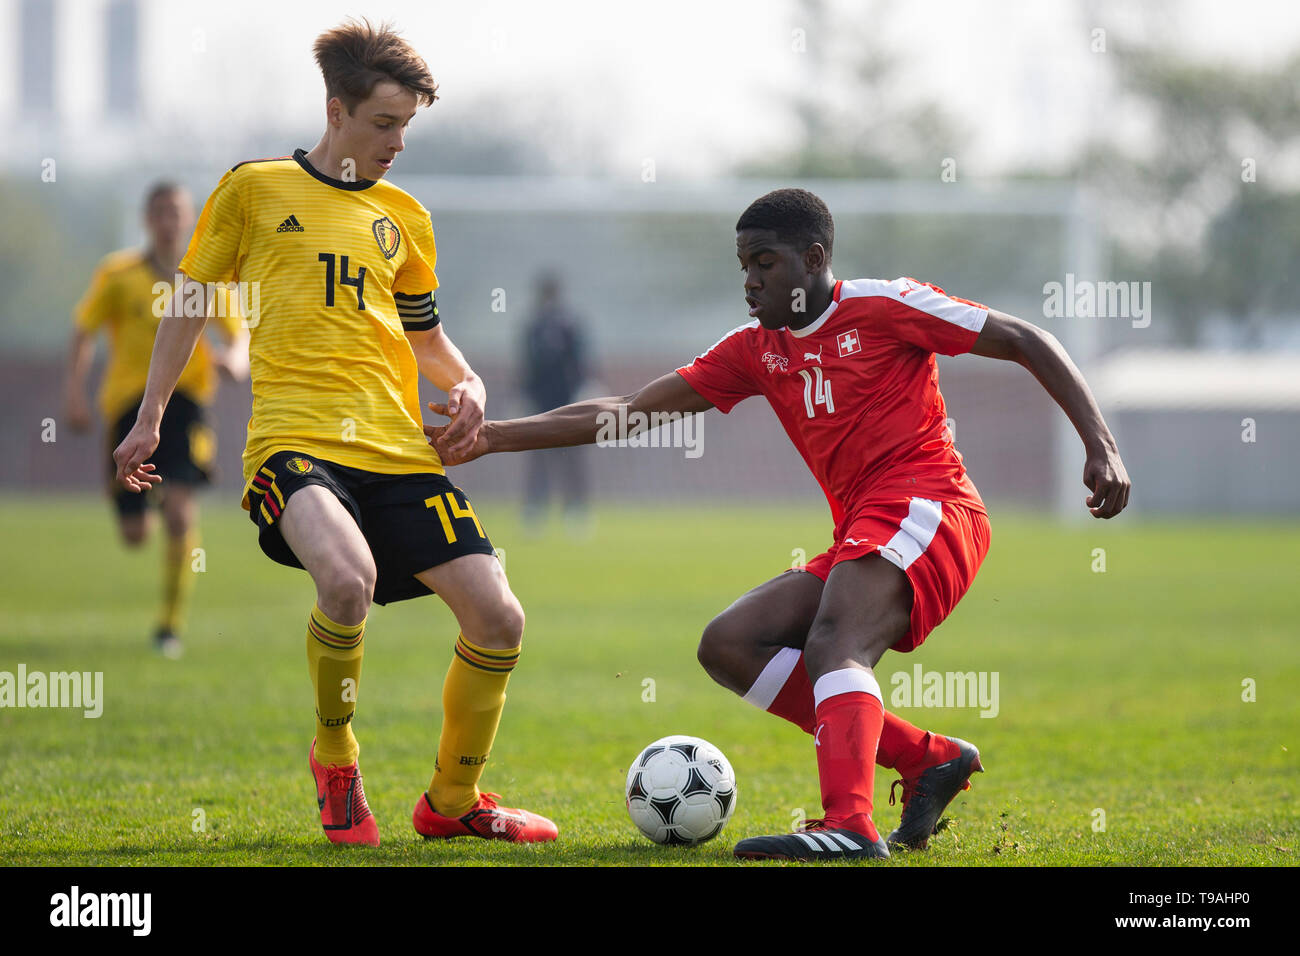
(123, 301)
(339, 477)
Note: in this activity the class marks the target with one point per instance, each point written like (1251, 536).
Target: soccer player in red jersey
(849, 368)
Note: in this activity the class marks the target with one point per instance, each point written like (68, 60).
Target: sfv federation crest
(387, 236)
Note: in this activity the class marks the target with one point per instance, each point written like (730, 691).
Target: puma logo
(814, 357)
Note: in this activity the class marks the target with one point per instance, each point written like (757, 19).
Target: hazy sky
(695, 85)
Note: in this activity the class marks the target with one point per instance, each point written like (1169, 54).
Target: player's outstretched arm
(577, 424)
(1012, 339)
(444, 365)
(178, 333)
(80, 352)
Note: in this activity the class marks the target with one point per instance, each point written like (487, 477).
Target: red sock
(909, 749)
(794, 702)
(903, 747)
(783, 689)
(849, 721)
(901, 744)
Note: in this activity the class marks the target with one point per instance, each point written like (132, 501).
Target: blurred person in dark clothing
(553, 365)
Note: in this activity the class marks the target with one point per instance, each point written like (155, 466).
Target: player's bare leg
(475, 589)
(134, 529)
(180, 522)
(739, 643)
(754, 649)
(180, 510)
(865, 608)
(491, 621)
(325, 538)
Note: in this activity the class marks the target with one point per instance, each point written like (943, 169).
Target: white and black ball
(681, 791)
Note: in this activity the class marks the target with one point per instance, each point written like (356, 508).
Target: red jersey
(857, 390)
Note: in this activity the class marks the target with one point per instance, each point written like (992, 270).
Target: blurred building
(1206, 432)
(123, 66)
(38, 62)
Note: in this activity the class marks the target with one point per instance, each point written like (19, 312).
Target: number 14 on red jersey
(816, 391)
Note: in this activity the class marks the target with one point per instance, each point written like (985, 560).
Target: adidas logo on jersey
(290, 225)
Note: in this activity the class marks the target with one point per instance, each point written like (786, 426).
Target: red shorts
(938, 544)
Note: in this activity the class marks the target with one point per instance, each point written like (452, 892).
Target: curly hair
(795, 215)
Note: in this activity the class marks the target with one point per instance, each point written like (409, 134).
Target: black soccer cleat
(927, 796)
(167, 644)
(815, 843)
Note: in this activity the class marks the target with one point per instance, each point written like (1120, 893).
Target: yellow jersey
(126, 298)
(336, 272)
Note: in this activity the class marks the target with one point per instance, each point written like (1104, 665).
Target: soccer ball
(681, 791)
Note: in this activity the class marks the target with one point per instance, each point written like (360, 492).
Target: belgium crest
(387, 236)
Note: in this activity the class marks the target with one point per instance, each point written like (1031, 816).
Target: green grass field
(1120, 692)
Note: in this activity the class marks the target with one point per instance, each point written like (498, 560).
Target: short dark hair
(795, 215)
(354, 56)
(163, 187)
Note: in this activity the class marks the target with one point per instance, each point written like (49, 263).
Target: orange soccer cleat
(485, 819)
(344, 814)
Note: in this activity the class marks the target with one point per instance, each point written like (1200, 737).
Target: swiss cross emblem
(849, 343)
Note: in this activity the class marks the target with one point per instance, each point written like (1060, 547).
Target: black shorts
(187, 446)
(411, 522)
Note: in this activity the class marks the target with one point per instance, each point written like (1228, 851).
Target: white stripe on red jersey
(921, 295)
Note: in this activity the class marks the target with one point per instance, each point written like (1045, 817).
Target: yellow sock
(473, 696)
(334, 661)
(178, 579)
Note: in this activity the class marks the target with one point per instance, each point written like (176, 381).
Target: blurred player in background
(849, 368)
(554, 365)
(339, 479)
(125, 301)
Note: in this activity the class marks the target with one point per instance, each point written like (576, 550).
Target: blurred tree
(1252, 249)
(1200, 205)
(47, 258)
(855, 115)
